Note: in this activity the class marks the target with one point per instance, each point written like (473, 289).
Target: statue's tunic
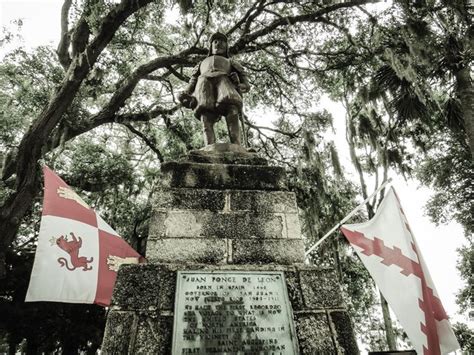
(214, 91)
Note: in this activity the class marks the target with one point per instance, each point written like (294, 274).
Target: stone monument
(225, 272)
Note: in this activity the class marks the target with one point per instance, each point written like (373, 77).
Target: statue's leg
(232, 120)
(208, 121)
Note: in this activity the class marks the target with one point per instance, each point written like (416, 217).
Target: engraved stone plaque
(233, 313)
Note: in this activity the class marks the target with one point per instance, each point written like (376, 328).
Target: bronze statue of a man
(215, 90)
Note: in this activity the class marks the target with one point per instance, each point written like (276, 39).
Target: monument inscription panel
(232, 313)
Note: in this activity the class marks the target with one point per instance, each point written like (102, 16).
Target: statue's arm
(192, 82)
(244, 85)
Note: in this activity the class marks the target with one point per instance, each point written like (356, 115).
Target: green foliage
(96, 167)
(465, 336)
(465, 266)
(448, 169)
(26, 82)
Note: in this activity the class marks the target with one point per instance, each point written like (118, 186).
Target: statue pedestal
(224, 228)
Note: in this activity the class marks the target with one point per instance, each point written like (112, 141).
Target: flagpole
(310, 250)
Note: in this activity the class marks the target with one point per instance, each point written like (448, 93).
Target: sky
(41, 26)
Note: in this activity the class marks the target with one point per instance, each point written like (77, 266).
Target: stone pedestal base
(140, 320)
(235, 216)
(191, 225)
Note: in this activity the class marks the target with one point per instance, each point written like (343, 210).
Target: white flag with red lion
(78, 253)
(386, 246)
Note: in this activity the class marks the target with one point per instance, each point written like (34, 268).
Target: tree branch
(124, 119)
(247, 15)
(147, 141)
(128, 85)
(158, 48)
(65, 134)
(108, 113)
(63, 46)
(30, 148)
(315, 16)
(177, 74)
(80, 36)
(275, 130)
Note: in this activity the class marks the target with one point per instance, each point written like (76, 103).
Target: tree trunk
(465, 93)
(27, 174)
(30, 149)
(387, 320)
(337, 259)
(389, 334)
(354, 158)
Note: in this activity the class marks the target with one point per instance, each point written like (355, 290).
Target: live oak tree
(103, 73)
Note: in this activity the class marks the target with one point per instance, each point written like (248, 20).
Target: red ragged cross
(430, 304)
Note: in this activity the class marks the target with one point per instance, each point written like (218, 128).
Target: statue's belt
(213, 74)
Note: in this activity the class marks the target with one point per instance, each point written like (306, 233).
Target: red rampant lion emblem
(72, 248)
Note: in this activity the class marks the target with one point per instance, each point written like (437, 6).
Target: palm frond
(385, 79)
(409, 107)
(453, 115)
(366, 129)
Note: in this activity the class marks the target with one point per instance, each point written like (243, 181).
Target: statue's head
(218, 45)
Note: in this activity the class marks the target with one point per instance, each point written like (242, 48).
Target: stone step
(224, 176)
(225, 153)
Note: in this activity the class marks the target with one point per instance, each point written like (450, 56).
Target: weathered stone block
(154, 335)
(215, 200)
(187, 250)
(293, 227)
(137, 287)
(314, 333)
(320, 289)
(120, 332)
(167, 276)
(224, 176)
(248, 225)
(263, 201)
(145, 287)
(260, 251)
(294, 289)
(189, 199)
(156, 227)
(178, 224)
(201, 224)
(344, 332)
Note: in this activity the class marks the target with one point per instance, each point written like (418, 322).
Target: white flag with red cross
(78, 253)
(386, 246)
